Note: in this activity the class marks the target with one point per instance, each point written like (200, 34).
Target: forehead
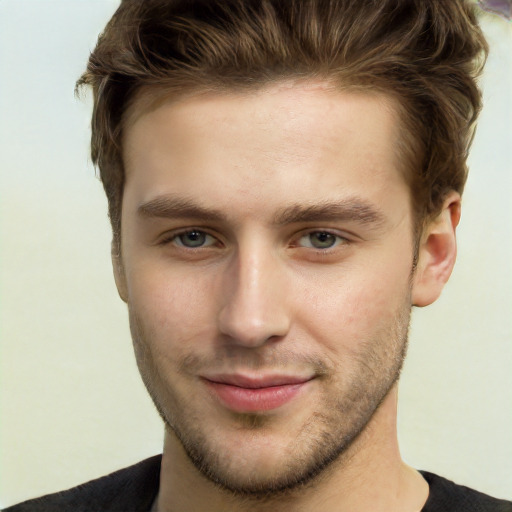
(289, 102)
(309, 139)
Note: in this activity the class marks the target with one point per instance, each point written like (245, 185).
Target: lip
(243, 393)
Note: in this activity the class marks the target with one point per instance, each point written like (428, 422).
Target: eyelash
(339, 240)
(172, 237)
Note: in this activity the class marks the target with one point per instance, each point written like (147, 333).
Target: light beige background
(72, 404)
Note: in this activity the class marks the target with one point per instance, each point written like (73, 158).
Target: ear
(119, 275)
(436, 253)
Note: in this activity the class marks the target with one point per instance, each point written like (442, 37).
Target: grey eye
(320, 240)
(194, 238)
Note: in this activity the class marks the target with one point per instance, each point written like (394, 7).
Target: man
(284, 183)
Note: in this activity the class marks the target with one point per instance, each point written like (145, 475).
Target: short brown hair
(425, 53)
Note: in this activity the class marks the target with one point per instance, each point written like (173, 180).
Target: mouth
(247, 394)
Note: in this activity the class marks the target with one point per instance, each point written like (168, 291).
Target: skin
(231, 264)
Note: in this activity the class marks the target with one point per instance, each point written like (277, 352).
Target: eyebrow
(171, 207)
(351, 209)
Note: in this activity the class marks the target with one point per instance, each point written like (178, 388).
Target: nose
(254, 302)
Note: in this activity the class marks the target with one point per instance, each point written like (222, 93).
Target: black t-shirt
(134, 489)
(445, 496)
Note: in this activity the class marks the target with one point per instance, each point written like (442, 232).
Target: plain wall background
(72, 404)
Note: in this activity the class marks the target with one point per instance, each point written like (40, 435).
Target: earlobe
(437, 253)
(119, 275)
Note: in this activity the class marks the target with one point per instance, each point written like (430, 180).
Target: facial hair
(340, 417)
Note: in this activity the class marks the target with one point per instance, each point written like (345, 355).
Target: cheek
(174, 307)
(353, 306)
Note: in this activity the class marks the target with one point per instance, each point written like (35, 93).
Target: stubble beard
(323, 440)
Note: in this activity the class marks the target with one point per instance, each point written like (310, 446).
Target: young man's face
(267, 251)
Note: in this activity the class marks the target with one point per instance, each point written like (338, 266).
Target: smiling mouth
(246, 394)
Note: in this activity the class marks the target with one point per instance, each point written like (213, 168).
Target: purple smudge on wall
(501, 7)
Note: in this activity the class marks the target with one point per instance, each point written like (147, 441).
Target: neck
(369, 476)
